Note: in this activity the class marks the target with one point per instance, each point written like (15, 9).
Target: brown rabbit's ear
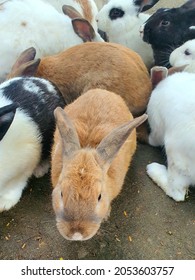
(26, 69)
(69, 136)
(157, 74)
(110, 145)
(25, 64)
(71, 12)
(83, 29)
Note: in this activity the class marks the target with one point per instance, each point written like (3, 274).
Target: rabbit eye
(116, 13)
(187, 52)
(62, 194)
(165, 22)
(99, 197)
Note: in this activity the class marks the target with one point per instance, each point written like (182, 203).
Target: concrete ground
(144, 222)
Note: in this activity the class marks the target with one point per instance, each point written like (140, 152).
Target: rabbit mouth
(103, 35)
(77, 231)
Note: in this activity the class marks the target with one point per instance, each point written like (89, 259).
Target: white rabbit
(27, 23)
(87, 8)
(171, 117)
(121, 22)
(184, 56)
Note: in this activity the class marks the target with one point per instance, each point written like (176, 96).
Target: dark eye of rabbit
(61, 194)
(165, 23)
(187, 52)
(99, 197)
(116, 13)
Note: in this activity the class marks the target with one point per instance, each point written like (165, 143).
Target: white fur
(125, 30)
(171, 116)
(27, 23)
(20, 151)
(77, 4)
(184, 55)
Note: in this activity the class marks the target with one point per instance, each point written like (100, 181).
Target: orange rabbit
(93, 146)
(92, 65)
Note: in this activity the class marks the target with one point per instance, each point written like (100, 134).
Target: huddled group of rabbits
(78, 77)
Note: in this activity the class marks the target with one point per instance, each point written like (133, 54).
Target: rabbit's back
(108, 66)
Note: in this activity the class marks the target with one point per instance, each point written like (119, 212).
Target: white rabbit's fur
(171, 118)
(184, 55)
(23, 149)
(125, 30)
(82, 6)
(27, 23)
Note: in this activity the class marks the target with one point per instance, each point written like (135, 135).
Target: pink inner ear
(158, 73)
(83, 29)
(157, 78)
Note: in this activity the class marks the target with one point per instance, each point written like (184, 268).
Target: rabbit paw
(6, 203)
(158, 173)
(172, 185)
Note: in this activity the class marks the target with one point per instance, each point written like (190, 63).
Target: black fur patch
(166, 30)
(38, 102)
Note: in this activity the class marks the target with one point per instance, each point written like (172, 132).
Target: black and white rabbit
(26, 132)
(121, 20)
(167, 29)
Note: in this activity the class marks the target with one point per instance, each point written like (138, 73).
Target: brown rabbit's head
(81, 196)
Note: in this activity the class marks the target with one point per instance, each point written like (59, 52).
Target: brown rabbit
(90, 157)
(93, 65)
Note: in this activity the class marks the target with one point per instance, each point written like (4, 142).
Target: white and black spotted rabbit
(26, 132)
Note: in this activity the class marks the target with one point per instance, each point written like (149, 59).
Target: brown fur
(96, 65)
(99, 65)
(82, 175)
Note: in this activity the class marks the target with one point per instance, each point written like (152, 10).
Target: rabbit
(27, 125)
(90, 157)
(184, 57)
(167, 29)
(93, 64)
(87, 8)
(171, 119)
(121, 21)
(27, 23)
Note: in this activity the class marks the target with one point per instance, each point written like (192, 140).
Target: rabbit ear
(158, 73)
(69, 136)
(26, 56)
(83, 29)
(189, 5)
(26, 69)
(7, 114)
(110, 145)
(25, 64)
(145, 5)
(71, 12)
